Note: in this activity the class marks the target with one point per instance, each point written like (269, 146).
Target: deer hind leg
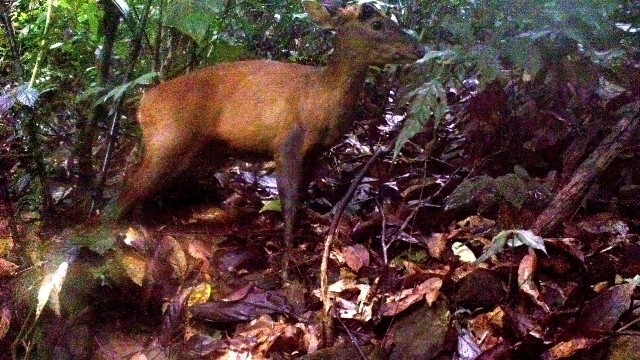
(165, 158)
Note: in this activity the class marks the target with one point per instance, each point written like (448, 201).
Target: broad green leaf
(429, 104)
(117, 92)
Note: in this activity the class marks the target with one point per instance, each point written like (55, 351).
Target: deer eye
(376, 25)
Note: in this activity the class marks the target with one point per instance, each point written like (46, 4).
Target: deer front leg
(289, 174)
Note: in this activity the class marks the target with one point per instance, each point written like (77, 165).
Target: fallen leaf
(463, 252)
(200, 294)
(356, 257)
(526, 271)
(603, 313)
(569, 348)
(50, 289)
(5, 322)
(7, 268)
(467, 347)
(135, 267)
(397, 303)
(437, 244)
(254, 304)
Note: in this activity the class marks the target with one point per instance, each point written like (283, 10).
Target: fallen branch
(571, 195)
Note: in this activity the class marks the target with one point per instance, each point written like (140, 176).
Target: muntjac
(266, 109)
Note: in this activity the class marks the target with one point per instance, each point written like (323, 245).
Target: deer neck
(345, 77)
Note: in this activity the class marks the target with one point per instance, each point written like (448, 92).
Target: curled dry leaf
(288, 337)
(487, 327)
(355, 307)
(397, 303)
(526, 271)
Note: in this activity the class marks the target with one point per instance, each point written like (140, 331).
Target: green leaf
(272, 205)
(194, 18)
(429, 103)
(117, 92)
(471, 191)
(527, 237)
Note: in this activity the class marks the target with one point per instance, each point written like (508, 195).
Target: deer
(266, 110)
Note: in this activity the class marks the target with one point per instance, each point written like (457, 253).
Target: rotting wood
(570, 196)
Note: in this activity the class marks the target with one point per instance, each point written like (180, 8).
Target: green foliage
(117, 92)
(498, 40)
(228, 31)
(483, 192)
(195, 19)
(100, 240)
(429, 104)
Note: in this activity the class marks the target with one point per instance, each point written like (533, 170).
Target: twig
(331, 234)
(353, 340)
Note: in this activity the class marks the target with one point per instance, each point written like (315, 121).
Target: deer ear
(319, 14)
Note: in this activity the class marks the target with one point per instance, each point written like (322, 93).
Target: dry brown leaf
(135, 267)
(437, 244)
(603, 313)
(397, 303)
(5, 321)
(7, 268)
(569, 348)
(486, 328)
(526, 271)
(356, 257)
(199, 250)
